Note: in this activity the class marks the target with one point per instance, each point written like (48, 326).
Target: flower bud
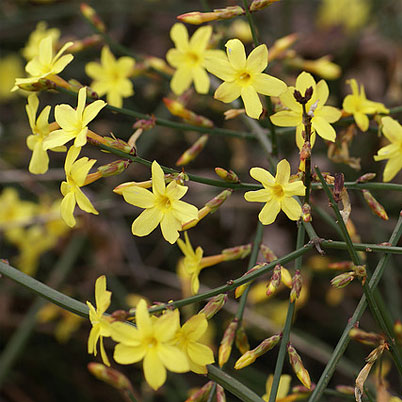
(345, 389)
(240, 289)
(90, 14)
(280, 46)
(366, 177)
(114, 168)
(322, 67)
(257, 5)
(286, 278)
(249, 357)
(120, 145)
(343, 280)
(228, 175)
(110, 376)
(297, 283)
(220, 394)
(197, 17)
(306, 213)
(302, 390)
(268, 254)
(360, 272)
(236, 253)
(86, 43)
(225, 347)
(42, 84)
(398, 331)
(374, 205)
(341, 265)
(242, 343)
(145, 124)
(202, 394)
(191, 153)
(297, 366)
(214, 305)
(275, 281)
(233, 113)
(367, 338)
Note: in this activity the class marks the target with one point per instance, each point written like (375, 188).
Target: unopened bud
(305, 152)
(236, 253)
(297, 366)
(120, 145)
(178, 109)
(374, 205)
(343, 280)
(214, 305)
(306, 213)
(398, 331)
(297, 284)
(249, 357)
(275, 281)
(268, 254)
(233, 113)
(228, 175)
(302, 390)
(90, 14)
(242, 343)
(42, 84)
(110, 376)
(86, 43)
(120, 315)
(202, 394)
(323, 67)
(197, 17)
(367, 338)
(191, 153)
(158, 64)
(345, 389)
(280, 46)
(240, 289)
(286, 278)
(114, 168)
(145, 124)
(220, 394)
(341, 265)
(225, 347)
(257, 5)
(366, 177)
(360, 272)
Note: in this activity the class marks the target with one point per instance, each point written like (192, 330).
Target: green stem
(232, 385)
(20, 337)
(251, 263)
(288, 323)
(250, 20)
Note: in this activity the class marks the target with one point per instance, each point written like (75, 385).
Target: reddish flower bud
(225, 347)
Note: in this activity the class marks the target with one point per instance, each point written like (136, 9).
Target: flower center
(151, 342)
(277, 191)
(244, 78)
(164, 203)
(192, 58)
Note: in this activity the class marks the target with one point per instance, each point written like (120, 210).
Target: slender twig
(361, 307)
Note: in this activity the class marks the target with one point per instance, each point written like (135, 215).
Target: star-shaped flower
(277, 193)
(162, 206)
(244, 76)
(320, 114)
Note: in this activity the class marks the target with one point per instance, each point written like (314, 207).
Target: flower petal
(125, 333)
(361, 120)
(268, 85)
(329, 113)
(291, 208)
(174, 57)
(262, 195)
(220, 67)
(154, 370)
(179, 36)
(236, 53)
(181, 80)
(84, 203)
(173, 358)
(146, 222)
(138, 196)
(170, 227)
(200, 38)
(304, 81)
(282, 172)
(142, 318)
(102, 296)
(269, 212)
(323, 128)
(67, 209)
(393, 166)
(322, 93)
(65, 116)
(125, 354)
(201, 80)
(91, 111)
(82, 98)
(39, 162)
(257, 60)
(286, 118)
(184, 212)
(391, 129)
(200, 354)
(227, 92)
(158, 179)
(251, 101)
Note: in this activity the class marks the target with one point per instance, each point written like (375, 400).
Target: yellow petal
(195, 327)
(201, 80)
(282, 172)
(67, 209)
(39, 162)
(93, 339)
(304, 81)
(267, 85)
(181, 80)
(103, 353)
(82, 98)
(251, 101)
(236, 53)
(154, 370)
(102, 296)
(66, 117)
(84, 203)
(173, 358)
(393, 166)
(286, 118)
(391, 129)
(158, 179)
(142, 318)
(200, 354)
(146, 222)
(361, 120)
(92, 110)
(179, 36)
(125, 333)
(31, 109)
(139, 197)
(200, 38)
(220, 67)
(262, 175)
(323, 128)
(170, 227)
(321, 93)
(291, 208)
(124, 354)
(329, 113)
(269, 212)
(257, 60)
(184, 212)
(263, 195)
(227, 92)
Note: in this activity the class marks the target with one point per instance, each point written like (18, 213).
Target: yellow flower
(152, 340)
(45, 64)
(76, 173)
(187, 338)
(321, 115)
(191, 261)
(10, 69)
(244, 76)
(283, 388)
(111, 77)
(189, 58)
(40, 127)
(358, 105)
(100, 323)
(393, 152)
(162, 206)
(31, 49)
(277, 193)
(73, 122)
